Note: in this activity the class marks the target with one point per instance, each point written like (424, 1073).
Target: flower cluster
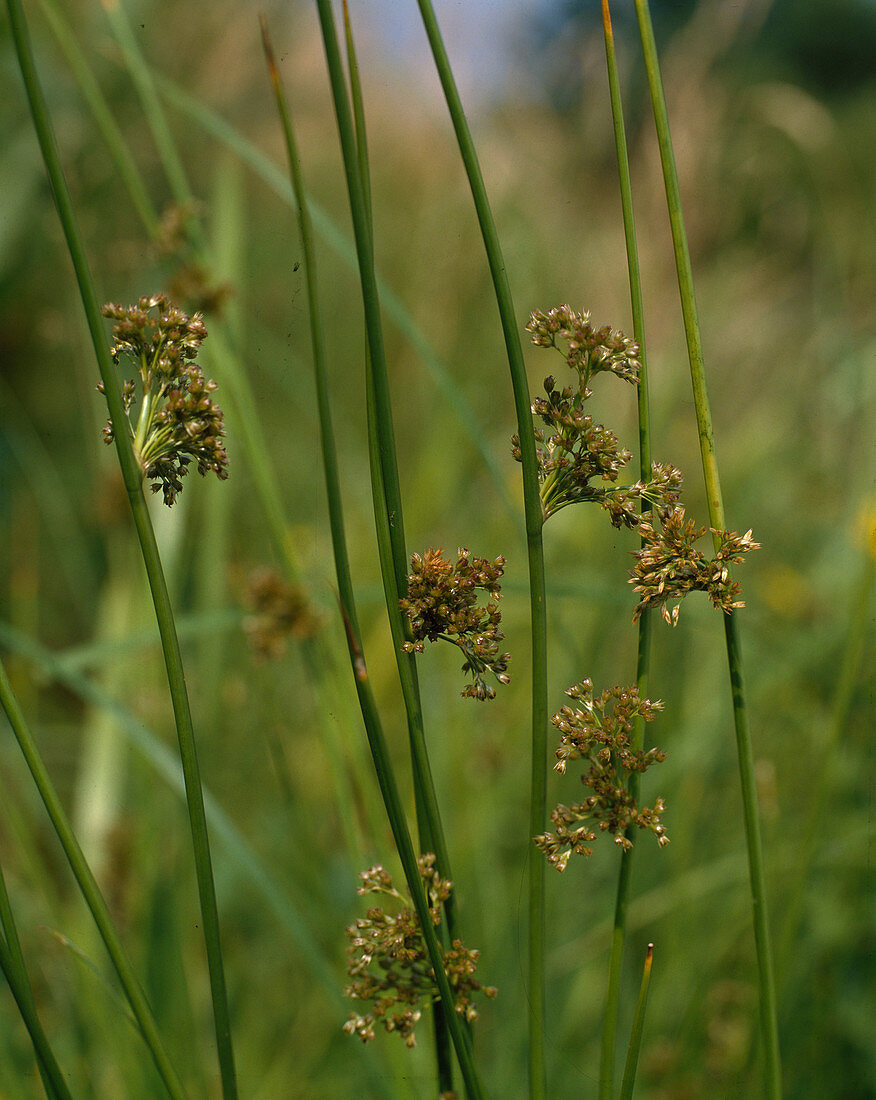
(178, 420)
(388, 963)
(598, 729)
(588, 350)
(668, 565)
(441, 602)
(576, 452)
(279, 611)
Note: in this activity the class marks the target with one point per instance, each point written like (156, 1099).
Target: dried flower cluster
(388, 963)
(576, 451)
(668, 565)
(442, 603)
(598, 729)
(588, 350)
(579, 460)
(279, 611)
(177, 420)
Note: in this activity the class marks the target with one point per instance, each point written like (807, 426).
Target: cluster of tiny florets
(599, 730)
(578, 459)
(388, 963)
(669, 566)
(587, 350)
(278, 611)
(442, 602)
(178, 420)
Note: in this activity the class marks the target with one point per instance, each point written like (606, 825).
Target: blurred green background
(772, 107)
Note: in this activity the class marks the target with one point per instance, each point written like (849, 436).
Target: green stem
(535, 551)
(88, 887)
(610, 1023)
(402, 837)
(15, 972)
(768, 1009)
(629, 1079)
(148, 545)
(339, 544)
(384, 467)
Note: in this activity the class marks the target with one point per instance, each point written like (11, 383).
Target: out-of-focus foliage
(776, 169)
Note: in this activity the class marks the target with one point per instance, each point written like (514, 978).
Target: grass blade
(768, 1009)
(149, 548)
(535, 549)
(610, 1023)
(88, 887)
(629, 1079)
(12, 965)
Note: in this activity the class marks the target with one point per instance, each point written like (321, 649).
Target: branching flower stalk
(580, 460)
(668, 566)
(178, 420)
(388, 963)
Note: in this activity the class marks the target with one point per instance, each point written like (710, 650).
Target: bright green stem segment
(13, 968)
(88, 887)
(149, 548)
(768, 1009)
(386, 492)
(612, 1001)
(535, 549)
(629, 1079)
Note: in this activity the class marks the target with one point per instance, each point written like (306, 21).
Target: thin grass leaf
(629, 1079)
(535, 550)
(768, 1007)
(88, 887)
(610, 1023)
(14, 970)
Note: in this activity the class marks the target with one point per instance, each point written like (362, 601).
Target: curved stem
(149, 549)
(535, 549)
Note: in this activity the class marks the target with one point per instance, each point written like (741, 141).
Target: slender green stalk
(610, 1023)
(242, 858)
(535, 550)
(386, 491)
(132, 477)
(88, 887)
(339, 546)
(15, 972)
(124, 161)
(629, 1079)
(402, 837)
(768, 1010)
